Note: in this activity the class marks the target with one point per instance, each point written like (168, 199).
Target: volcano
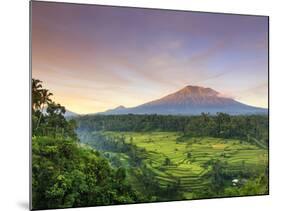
(191, 100)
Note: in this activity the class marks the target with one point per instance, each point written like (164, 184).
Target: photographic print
(136, 105)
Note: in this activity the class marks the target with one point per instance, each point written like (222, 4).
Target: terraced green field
(172, 158)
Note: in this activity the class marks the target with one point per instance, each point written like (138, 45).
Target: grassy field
(188, 157)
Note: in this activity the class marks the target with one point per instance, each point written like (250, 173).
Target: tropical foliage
(246, 127)
(95, 160)
(64, 172)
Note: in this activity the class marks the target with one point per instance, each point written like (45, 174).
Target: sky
(94, 58)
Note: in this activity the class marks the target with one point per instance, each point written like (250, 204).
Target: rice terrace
(182, 163)
(135, 105)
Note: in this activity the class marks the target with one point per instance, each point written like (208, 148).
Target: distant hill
(67, 113)
(191, 100)
(116, 110)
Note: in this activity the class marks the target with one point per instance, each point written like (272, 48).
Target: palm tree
(36, 94)
(44, 100)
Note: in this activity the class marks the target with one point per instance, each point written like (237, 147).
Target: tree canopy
(64, 172)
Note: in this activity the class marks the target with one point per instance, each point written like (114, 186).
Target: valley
(140, 105)
(106, 159)
(182, 165)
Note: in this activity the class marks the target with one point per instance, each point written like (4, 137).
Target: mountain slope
(69, 113)
(191, 100)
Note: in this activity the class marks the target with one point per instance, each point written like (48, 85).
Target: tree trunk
(38, 122)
